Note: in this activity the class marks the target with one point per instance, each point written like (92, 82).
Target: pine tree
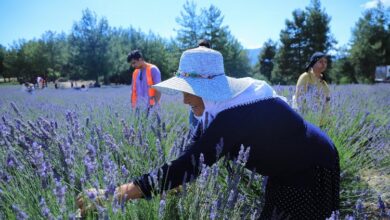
(89, 42)
(55, 50)
(3, 52)
(236, 60)
(289, 59)
(342, 71)
(307, 33)
(371, 42)
(212, 29)
(190, 28)
(266, 59)
(209, 25)
(317, 30)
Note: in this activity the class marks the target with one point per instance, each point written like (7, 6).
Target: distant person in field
(28, 87)
(194, 119)
(312, 89)
(300, 160)
(39, 80)
(41, 83)
(144, 77)
(83, 88)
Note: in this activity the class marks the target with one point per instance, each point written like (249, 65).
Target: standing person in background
(194, 118)
(39, 79)
(312, 87)
(144, 76)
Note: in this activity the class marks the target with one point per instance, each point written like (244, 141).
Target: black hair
(204, 43)
(134, 55)
(313, 59)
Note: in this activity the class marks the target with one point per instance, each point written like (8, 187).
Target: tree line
(95, 51)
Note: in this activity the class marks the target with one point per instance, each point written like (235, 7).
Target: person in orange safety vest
(144, 76)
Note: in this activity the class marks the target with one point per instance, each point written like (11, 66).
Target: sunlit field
(56, 143)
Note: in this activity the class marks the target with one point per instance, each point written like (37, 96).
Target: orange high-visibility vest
(149, 80)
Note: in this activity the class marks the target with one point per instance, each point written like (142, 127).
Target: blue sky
(252, 22)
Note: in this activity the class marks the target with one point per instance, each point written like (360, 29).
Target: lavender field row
(56, 143)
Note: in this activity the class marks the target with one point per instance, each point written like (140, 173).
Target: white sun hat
(201, 73)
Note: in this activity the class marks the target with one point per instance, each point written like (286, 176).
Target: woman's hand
(128, 191)
(122, 194)
(84, 203)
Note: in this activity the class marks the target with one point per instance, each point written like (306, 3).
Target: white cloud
(373, 3)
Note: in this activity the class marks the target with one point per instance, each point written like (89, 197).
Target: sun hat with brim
(313, 59)
(201, 73)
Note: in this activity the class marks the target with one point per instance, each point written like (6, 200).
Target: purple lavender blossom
(201, 162)
(20, 214)
(231, 199)
(5, 177)
(161, 208)
(102, 212)
(215, 170)
(59, 192)
(241, 198)
(349, 217)
(243, 155)
(334, 216)
(12, 162)
(184, 184)
(99, 132)
(254, 215)
(219, 148)
(68, 154)
(124, 171)
(90, 166)
(42, 166)
(92, 194)
(214, 210)
(116, 206)
(45, 209)
(140, 137)
(125, 130)
(161, 155)
(72, 216)
(153, 180)
(202, 179)
(359, 209)
(110, 170)
(110, 142)
(381, 206)
(91, 151)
